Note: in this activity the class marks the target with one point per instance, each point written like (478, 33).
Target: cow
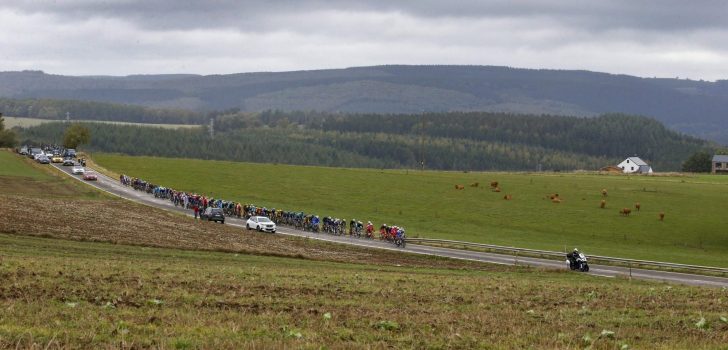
(508, 197)
(475, 184)
(625, 211)
(603, 204)
(637, 206)
(604, 192)
(662, 216)
(459, 187)
(494, 184)
(497, 189)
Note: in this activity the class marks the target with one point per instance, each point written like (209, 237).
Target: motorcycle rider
(572, 258)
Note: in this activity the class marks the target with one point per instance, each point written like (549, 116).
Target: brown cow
(637, 206)
(556, 200)
(553, 196)
(508, 197)
(459, 187)
(625, 211)
(662, 216)
(603, 204)
(494, 184)
(497, 189)
(604, 192)
(475, 184)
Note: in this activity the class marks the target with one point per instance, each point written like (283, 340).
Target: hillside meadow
(428, 205)
(128, 276)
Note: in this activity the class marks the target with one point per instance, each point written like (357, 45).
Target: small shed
(719, 165)
(635, 165)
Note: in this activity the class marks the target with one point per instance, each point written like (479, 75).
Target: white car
(78, 170)
(261, 223)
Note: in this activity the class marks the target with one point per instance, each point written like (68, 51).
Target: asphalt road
(113, 186)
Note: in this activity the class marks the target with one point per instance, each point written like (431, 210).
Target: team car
(213, 214)
(78, 170)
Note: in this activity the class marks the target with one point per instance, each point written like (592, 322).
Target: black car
(33, 151)
(213, 214)
(70, 152)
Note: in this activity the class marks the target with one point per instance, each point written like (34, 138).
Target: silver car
(78, 170)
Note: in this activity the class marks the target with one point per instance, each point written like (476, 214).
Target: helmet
(576, 250)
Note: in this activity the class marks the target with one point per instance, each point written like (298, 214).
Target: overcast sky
(664, 38)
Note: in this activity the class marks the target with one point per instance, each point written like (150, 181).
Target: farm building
(635, 165)
(719, 165)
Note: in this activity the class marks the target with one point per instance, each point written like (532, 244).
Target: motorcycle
(577, 262)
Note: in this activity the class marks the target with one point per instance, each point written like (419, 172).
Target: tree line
(443, 141)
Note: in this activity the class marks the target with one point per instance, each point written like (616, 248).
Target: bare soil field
(123, 222)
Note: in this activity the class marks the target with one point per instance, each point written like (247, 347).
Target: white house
(636, 165)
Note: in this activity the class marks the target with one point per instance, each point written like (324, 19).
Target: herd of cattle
(555, 198)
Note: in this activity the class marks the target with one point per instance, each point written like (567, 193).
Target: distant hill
(696, 107)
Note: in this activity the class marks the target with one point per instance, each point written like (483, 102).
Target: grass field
(96, 295)
(13, 165)
(427, 204)
(227, 288)
(11, 122)
(21, 175)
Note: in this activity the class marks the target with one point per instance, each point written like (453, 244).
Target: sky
(657, 38)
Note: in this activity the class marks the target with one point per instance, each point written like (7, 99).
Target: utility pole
(422, 141)
(212, 128)
(68, 117)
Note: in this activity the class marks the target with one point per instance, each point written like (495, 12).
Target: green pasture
(12, 164)
(695, 228)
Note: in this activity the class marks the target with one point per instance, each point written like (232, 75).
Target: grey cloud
(665, 15)
(657, 37)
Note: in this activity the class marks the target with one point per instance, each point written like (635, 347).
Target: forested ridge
(690, 106)
(445, 141)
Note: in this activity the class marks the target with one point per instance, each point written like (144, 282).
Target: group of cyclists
(299, 220)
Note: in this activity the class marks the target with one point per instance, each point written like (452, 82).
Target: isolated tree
(7, 137)
(699, 162)
(76, 135)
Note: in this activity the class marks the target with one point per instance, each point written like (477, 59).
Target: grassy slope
(93, 295)
(428, 206)
(21, 175)
(59, 293)
(12, 165)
